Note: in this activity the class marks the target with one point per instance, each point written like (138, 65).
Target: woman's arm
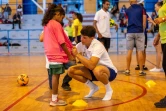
(69, 19)
(151, 21)
(160, 20)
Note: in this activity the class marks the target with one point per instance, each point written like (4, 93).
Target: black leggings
(163, 46)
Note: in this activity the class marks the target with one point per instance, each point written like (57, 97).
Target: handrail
(8, 38)
(116, 38)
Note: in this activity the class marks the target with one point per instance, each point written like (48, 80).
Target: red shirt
(54, 36)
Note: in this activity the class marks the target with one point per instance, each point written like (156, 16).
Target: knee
(97, 73)
(71, 71)
(100, 74)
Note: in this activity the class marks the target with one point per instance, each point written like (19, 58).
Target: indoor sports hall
(23, 53)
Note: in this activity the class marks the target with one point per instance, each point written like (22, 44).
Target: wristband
(163, 19)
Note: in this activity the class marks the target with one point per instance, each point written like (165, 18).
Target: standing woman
(76, 26)
(161, 20)
(57, 48)
(19, 9)
(158, 68)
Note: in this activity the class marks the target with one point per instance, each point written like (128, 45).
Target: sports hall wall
(25, 41)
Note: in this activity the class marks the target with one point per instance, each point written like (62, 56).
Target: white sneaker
(155, 70)
(58, 103)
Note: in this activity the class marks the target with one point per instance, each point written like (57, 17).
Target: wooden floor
(130, 92)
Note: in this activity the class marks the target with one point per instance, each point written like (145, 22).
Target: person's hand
(158, 20)
(156, 40)
(151, 21)
(99, 35)
(149, 31)
(74, 51)
(71, 58)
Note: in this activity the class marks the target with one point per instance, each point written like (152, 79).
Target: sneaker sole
(127, 74)
(58, 104)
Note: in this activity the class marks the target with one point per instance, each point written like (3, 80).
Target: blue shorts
(111, 78)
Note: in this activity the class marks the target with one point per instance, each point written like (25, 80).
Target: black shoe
(161, 103)
(137, 68)
(145, 68)
(66, 88)
(164, 99)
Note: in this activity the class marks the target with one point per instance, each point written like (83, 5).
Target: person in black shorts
(102, 24)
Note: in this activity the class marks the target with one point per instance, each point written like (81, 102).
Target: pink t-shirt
(54, 36)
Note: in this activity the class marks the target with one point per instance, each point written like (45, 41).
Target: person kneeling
(97, 65)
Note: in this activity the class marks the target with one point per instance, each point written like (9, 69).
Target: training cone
(80, 103)
(150, 83)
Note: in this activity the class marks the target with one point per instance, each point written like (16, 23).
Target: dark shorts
(106, 42)
(111, 78)
(69, 64)
(71, 38)
(79, 38)
(56, 69)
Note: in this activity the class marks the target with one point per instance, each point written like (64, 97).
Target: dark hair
(62, 23)
(19, 6)
(141, 4)
(79, 16)
(52, 9)
(104, 1)
(88, 31)
(159, 3)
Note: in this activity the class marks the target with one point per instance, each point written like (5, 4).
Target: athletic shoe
(66, 88)
(126, 72)
(155, 70)
(161, 103)
(164, 99)
(145, 68)
(142, 73)
(58, 103)
(137, 68)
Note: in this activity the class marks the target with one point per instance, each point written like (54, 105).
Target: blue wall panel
(29, 7)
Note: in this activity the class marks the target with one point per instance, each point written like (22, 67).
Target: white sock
(54, 97)
(109, 92)
(93, 88)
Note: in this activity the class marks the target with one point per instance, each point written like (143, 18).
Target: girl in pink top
(57, 47)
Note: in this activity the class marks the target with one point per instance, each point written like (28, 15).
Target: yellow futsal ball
(112, 22)
(23, 79)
